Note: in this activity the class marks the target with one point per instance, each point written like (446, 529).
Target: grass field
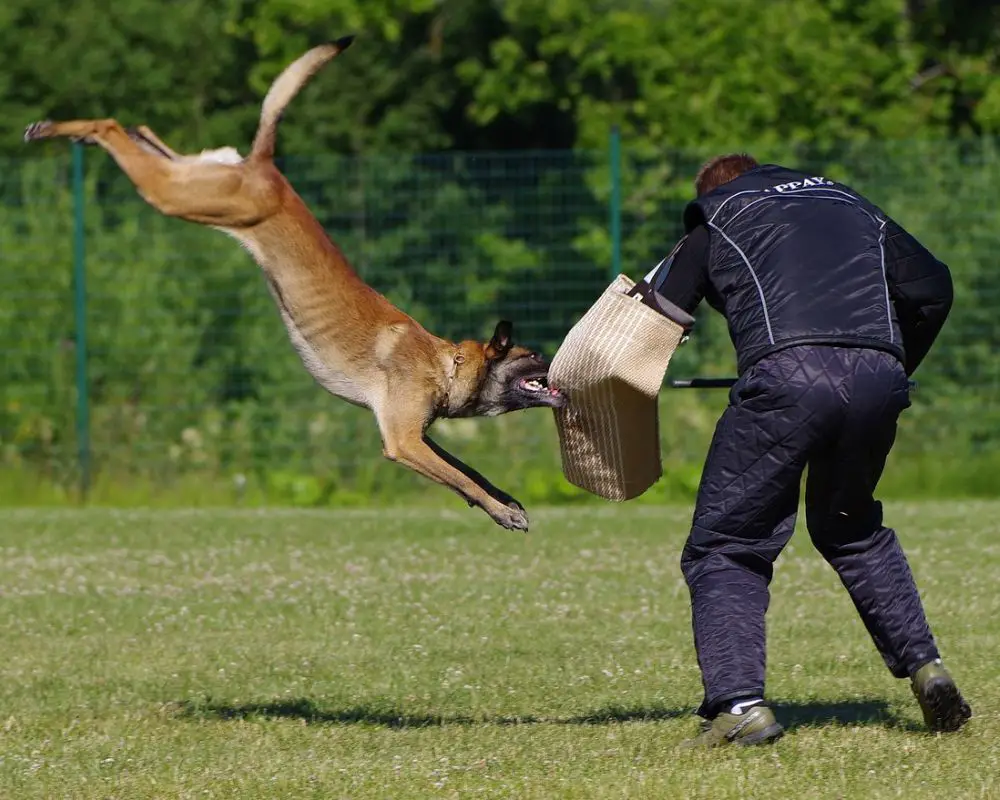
(287, 654)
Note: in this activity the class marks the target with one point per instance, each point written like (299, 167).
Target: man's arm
(921, 289)
(687, 279)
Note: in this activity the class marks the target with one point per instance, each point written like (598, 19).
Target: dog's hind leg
(152, 143)
(207, 192)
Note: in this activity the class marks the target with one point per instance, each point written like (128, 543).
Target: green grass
(424, 653)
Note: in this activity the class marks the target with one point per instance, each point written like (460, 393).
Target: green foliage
(427, 75)
(197, 394)
(195, 390)
(683, 73)
(165, 64)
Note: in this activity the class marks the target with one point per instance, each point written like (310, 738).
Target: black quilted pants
(835, 410)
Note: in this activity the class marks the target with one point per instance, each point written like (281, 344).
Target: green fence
(143, 360)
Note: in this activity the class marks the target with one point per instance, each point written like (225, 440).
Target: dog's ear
(501, 342)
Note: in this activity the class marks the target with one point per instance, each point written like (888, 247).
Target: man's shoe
(943, 705)
(756, 725)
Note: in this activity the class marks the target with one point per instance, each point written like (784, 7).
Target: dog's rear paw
(37, 130)
(511, 516)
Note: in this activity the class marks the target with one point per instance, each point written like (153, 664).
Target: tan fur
(355, 343)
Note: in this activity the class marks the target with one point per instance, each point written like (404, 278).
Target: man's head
(722, 169)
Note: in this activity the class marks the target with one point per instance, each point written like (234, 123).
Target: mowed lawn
(395, 654)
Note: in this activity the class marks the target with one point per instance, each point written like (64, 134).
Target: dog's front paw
(507, 500)
(510, 516)
(37, 130)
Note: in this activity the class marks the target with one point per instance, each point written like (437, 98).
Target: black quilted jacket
(800, 259)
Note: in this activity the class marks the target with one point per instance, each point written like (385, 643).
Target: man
(831, 306)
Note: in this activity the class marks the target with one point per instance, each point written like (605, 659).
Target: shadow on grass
(849, 713)
(307, 711)
(792, 715)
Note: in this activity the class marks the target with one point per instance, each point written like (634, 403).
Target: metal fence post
(615, 158)
(80, 312)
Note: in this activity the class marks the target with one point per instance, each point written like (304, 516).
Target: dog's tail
(284, 89)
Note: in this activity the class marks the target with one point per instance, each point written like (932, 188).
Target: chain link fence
(143, 360)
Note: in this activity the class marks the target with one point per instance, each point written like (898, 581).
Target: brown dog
(356, 344)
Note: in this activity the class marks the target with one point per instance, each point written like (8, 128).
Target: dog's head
(510, 378)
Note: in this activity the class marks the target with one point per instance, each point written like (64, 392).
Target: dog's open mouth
(538, 389)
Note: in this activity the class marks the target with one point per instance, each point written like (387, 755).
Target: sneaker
(943, 705)
(756, 725)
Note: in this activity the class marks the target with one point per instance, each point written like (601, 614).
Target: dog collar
(457, 360)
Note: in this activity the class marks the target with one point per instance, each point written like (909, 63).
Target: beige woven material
(611, 366)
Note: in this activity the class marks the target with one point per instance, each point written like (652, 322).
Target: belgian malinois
(354, 342)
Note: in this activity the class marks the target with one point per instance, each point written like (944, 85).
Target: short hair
(722, 169)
